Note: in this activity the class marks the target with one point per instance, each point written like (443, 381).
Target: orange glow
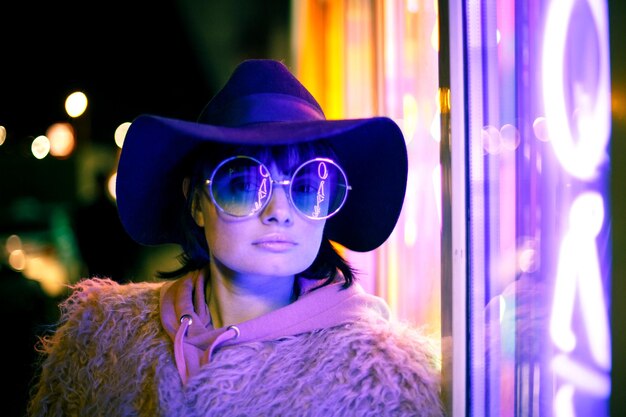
(17, 259)
(308, 35)
(319, 62)
(443, 99)
(335, 64)
(48, 270)
(62, 140)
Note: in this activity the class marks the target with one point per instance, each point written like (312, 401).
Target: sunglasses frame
(208, 186)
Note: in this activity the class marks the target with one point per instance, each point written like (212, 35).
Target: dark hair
(195, 254)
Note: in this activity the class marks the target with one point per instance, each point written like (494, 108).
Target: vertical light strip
(390, 55)
(308, 48)
(476, 255)
(392, 274)
(334, 58)
(454, 287)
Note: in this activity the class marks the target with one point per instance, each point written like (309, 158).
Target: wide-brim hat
(261, 104)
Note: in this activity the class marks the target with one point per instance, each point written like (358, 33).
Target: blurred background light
(120, 134)
(76, 104)
(62, 140)
(40, 147)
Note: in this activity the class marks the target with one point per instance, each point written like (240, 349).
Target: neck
(235, 298)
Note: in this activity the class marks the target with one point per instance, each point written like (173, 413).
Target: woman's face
(276, 241)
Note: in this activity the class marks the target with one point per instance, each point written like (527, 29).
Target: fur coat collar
(112, 356)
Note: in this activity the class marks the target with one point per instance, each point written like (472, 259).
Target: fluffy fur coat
(112, 357)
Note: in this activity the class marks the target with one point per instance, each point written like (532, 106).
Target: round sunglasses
(242, 186)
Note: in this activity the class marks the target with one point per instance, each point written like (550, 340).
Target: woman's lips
(275, 243)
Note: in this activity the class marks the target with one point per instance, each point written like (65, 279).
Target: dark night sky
(123, 67)
(166, 57)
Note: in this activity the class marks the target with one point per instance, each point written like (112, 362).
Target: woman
(264, 317)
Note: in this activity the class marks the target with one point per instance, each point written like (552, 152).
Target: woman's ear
(196, 209)
(196, 206)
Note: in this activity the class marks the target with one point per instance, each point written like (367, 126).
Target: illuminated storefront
(503, 247)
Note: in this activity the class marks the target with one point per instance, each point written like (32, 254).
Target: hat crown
(261, 91)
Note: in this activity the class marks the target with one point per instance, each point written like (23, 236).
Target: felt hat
(262, 103)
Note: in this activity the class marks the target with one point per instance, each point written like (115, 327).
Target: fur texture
(111, 357)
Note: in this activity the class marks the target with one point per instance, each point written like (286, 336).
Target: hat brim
(371, 151)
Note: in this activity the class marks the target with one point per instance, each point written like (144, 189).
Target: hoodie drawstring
(231, 333)
(179, 353)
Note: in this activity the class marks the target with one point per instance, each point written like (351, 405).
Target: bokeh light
(40, 147)
(62, 140)
(120, 134)
(76, 104)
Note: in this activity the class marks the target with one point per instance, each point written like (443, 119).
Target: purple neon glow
(577, 110)
(582, 149)
(478, 256)
(583, 377)
(579, 278)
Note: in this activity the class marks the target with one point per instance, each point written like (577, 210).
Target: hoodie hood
(186, 319)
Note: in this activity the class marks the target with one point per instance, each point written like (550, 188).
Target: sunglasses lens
(240, 186)
(319, 188)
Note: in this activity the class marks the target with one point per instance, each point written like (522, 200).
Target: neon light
(478, 255)
(579, 267)
(563, 404)
(320, 198)
(261, 194)
(580, 156)
(584, 378)
(578, 126)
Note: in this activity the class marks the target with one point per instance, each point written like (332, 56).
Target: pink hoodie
(186, 319)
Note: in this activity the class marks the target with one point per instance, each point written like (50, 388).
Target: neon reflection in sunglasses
(241, 186)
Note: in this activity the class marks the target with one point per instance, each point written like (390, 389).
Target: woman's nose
(279, 208)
